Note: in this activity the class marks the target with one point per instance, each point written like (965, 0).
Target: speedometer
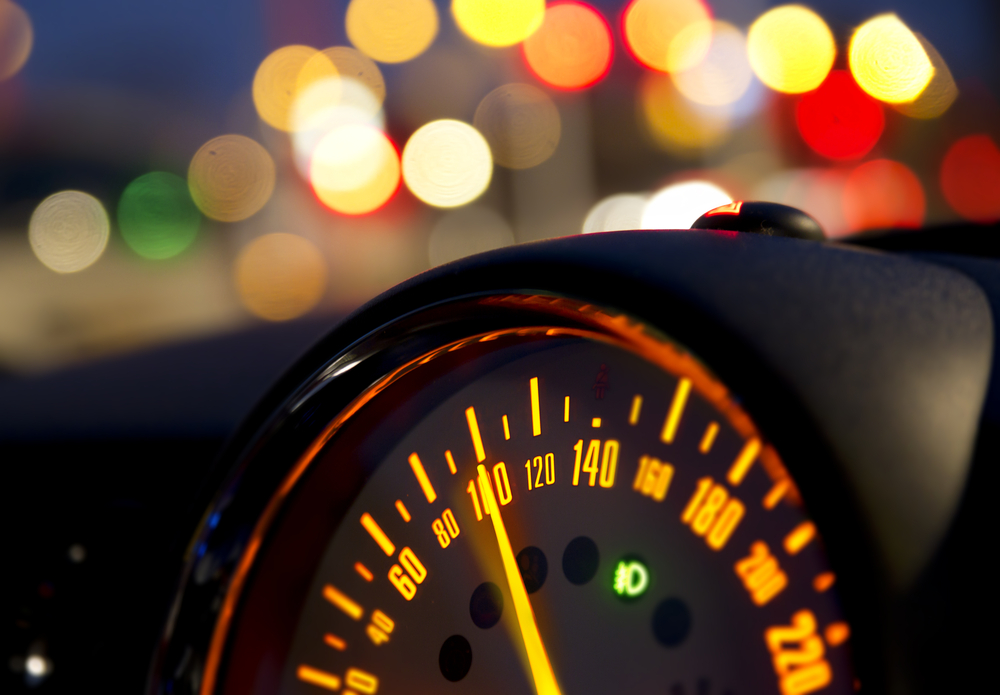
(521, 491)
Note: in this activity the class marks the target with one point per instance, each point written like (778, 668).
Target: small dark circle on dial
(455, 658)
(534, 568)
(580, 560)
(486, 605)
(671, 622)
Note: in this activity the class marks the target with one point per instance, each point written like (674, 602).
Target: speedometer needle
(541, 669)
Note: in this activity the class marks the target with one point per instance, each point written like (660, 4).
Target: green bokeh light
(156, 215)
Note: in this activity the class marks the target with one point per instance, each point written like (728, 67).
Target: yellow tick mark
(451, 462)
(708, 439)
(836, 634)
(403, 511)
(824, 581)
(536, 418)
(376, 532)
(776, 493)
(676, 410)
(596, 422)
(335, 642)
(566, 409)
(477, 439)
(506, 428)
(308, 674)
(800, 537)
(341, 601)
(363, 571)
(425, 482)
(746, 457)
(633, 415)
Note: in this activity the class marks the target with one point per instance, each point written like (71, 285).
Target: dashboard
(573, 466)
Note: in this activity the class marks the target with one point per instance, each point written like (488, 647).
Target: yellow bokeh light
(498, 22)
(355, 169)
(280, 276)
(888, 60)
(392, 31)
(355, 65)
(724, 74)
(16, 38)
(521, 124)
(791, 49)
(276, 84)
(231, 177)
(668, 35)
(939, 95)
(447, 163)
(69, 231)
(674, 123)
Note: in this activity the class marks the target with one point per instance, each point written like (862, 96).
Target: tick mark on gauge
(506, 428)
(451, 462)
(455, 658)
(403, 511)
(580, 560)
(671, 622)
(365, 573)
(596, 422)
(486, 605)
(708, 439)
(633, 416)
(534, 568)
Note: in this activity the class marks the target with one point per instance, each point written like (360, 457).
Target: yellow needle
(541, 669)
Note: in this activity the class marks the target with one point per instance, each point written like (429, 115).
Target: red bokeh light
(970, 178)
(838, 120)
(883, 193)
(572, 49)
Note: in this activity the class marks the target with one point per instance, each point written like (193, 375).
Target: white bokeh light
(677, 206)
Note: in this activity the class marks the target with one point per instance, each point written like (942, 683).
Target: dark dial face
(554, 513)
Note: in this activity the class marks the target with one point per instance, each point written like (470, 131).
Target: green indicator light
(631, 579)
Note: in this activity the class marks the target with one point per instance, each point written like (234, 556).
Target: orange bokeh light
(838, 120)
(667, 35)
(883, 193)
(573, 47)
(970, 178)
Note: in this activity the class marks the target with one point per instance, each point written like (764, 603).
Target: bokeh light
(572, 49)
(615, 213)
(231, 177)
(521, 124)
(392, 31)
(280, 276)
(353, 64)
(69, 231)
(791, 49)
(939, 94)
(970, 178)
(447, 163)
(16, 38)
(677, 206)
(674, 123)
(467, 231)
(355, 169)
(668, 35)
(328, 104)
(888, 61)
(723, 75)
(839, 120)
(276, 83)
(498, 22)
(156, 215)
(881, 194)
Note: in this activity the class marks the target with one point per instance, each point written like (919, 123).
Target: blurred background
(171, 170)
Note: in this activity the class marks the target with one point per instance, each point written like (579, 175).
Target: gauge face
(547, 510)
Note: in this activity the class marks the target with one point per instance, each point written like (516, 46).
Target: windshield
(177, 169)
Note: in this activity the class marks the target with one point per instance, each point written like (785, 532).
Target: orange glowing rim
(616, 329)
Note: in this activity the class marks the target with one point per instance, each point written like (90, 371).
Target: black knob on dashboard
(772, 219)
